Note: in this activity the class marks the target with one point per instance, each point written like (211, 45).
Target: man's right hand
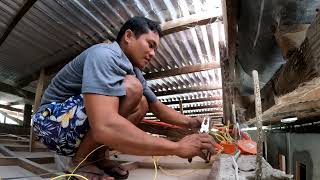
(192, 145)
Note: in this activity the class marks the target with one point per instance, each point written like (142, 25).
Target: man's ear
(128, 36)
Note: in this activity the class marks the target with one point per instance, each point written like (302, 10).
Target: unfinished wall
(303, 148)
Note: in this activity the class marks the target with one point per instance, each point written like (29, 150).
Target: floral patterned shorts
(62, 126)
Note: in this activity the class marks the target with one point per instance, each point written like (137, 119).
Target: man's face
(141, 50)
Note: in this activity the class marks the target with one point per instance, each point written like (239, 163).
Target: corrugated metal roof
(57, 30)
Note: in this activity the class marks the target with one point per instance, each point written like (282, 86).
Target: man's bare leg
(129, 108)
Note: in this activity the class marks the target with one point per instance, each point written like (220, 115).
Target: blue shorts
(62, 126)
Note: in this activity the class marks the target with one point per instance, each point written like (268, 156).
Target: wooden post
(27, 115)
(36, 105)
(181, 107)
(259, 124)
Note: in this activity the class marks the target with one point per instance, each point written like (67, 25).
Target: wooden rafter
(16, 19)
(215, 98)
(7, 107)
(230, 11)
(187, 22)
(201, 107)
(183, 70)
(29, 96)
(187, 90)
(216, 112)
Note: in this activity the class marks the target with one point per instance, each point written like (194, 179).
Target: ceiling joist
(215, 98)
(182, 70)
(16, 19)
(188, 90)
(16, 91)
(187, 22)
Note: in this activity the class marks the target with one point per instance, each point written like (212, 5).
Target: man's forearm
(169, 115)
(127, 138)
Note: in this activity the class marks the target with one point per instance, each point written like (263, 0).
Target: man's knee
(133, 87)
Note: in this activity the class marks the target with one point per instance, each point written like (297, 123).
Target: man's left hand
(195, 123)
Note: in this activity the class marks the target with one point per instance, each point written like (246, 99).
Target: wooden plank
(34, 168)
(9, 128)
(230, 12)
(28, 96)
(215, 98)
(41, 160)
(201, 107)
(188, 90)
(25, 8)
(11, 141)
(182, 70)
(181, 107)
(302, 103)
(6, 115)
(27, 115)
(205, 111)
(187, 22)
(8, 107)
(37, 100)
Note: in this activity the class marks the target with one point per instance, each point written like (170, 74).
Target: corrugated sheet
(57, 30)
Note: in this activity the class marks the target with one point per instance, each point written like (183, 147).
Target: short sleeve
(103, 73)
(147, 92)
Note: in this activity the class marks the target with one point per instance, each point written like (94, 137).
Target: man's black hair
(139, 25)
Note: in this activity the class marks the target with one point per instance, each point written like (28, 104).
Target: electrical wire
(77, 175)
(69, 175)
(155, 168)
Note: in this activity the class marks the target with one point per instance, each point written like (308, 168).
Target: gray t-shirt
(100, 69)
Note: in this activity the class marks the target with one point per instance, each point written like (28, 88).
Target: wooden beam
(230, 12)
(187, 90)
(188, 113)
(182, 70)
(303, 103)
(16, 19)
(302, 66)
(201, 107)
(7, 107)
(215, 98)
(187, 22)
(27, 115)
(29, 96)
(37, 100)
(6, 115)
(181, 107)
(14, 129)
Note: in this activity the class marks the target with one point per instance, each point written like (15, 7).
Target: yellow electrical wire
(156, 161)
(77, 175)
(155, 168)
(69, 175)
(219, 137)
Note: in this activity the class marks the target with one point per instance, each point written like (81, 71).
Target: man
(101, 95)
